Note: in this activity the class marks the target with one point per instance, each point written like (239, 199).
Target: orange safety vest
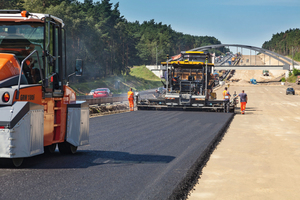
(225, 94)
(130, 95)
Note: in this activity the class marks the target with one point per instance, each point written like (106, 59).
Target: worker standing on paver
(226, 97)
(243, 99)
(130, 99)
(226, 94)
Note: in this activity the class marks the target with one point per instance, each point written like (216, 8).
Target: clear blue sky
(250, 22)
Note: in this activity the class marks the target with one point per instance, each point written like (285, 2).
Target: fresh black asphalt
(133, 155)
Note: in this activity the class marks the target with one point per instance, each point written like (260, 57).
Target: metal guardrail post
(136, 99)
(117, 98)
(110, 100)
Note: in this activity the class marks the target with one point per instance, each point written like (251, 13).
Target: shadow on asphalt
(88, 158)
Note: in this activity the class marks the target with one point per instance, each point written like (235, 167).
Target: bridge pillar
(250, 56)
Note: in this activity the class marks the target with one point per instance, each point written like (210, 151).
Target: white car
(91, 92)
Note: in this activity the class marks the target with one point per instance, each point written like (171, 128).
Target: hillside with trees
(285, 43)
(106, 41)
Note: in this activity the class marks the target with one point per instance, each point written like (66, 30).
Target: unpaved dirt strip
(259, 156)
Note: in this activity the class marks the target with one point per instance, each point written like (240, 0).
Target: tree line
(106, 41)
(286, 43)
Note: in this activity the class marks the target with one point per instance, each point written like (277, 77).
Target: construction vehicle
(189, 85)
(265, 72)
(298, 80)
(38, 111)
(253, 81)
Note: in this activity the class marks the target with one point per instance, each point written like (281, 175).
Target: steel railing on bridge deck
(286, 62)
(254, 67)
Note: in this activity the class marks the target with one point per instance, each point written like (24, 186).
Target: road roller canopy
(38, 43)
(25, 16)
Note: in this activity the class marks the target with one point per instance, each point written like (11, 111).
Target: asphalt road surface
(133, 155)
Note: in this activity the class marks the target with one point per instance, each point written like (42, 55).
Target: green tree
(286, 43)
(106, 41)
(11, 4)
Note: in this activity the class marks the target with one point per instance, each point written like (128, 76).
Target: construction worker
(243, 99)
(156, 94)
(226, 95)
(130, 99)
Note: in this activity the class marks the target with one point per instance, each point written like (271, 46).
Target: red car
(102, 92)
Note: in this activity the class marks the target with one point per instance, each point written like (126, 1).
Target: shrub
(296, 72)
(283, 79)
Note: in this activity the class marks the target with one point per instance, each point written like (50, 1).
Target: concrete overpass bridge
(262, 62)
(283, 63)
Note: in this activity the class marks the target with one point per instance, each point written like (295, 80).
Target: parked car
(91, 92)
(290, 91)
(102, 92)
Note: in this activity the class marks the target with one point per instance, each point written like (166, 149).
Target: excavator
(38, 110)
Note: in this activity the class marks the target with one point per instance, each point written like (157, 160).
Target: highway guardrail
(115, 98)
(102, 100)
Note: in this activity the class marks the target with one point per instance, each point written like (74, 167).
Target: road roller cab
(37, 110)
